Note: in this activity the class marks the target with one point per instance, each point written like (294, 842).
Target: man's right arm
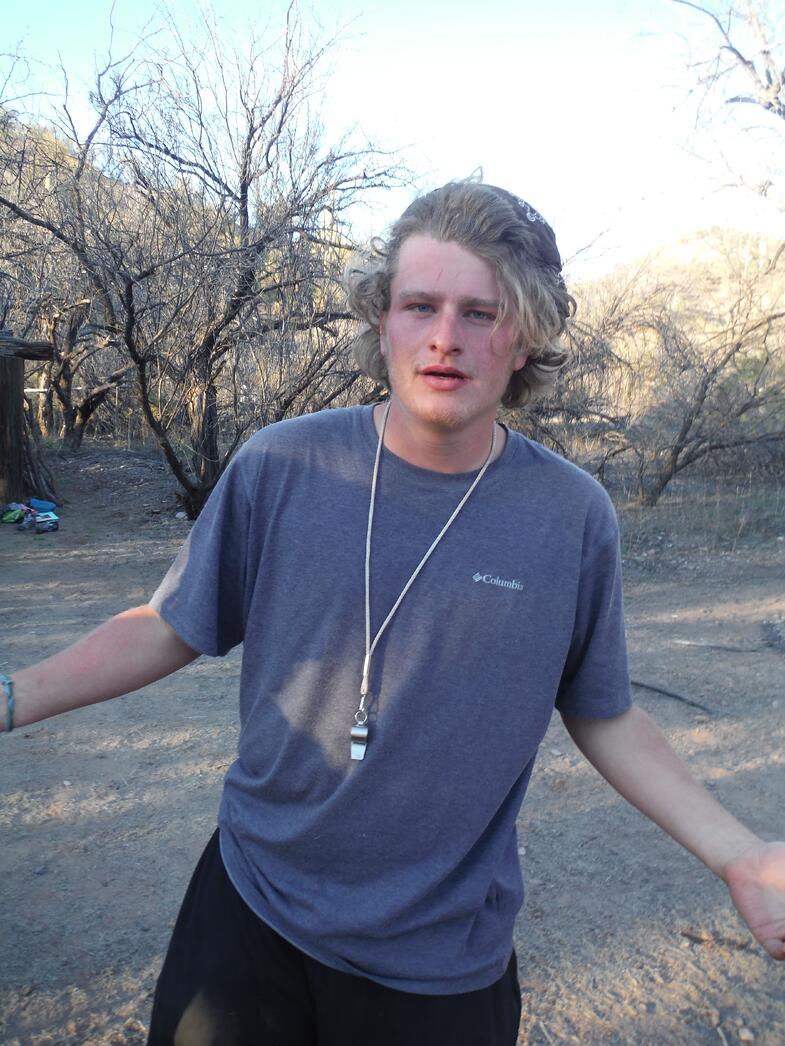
(123, 654)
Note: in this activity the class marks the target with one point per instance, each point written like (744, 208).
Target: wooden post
(13, 441)
(12, 430)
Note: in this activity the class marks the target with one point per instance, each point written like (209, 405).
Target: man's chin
(444, 415)
(441, 410)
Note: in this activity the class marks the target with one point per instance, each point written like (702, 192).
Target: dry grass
(705, 514)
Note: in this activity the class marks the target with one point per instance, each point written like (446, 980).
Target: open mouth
(448, 376)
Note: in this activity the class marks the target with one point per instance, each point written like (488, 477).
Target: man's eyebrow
(469, 302)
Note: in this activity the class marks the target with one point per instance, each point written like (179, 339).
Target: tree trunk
(12, 432)
(64, 391)
(76, 423)
(45, 415)
(205, 427)
(650, 493)
(72, 440)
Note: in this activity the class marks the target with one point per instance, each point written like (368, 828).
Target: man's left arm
(633, 755)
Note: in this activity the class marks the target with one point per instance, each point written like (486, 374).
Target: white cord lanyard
(359, 732)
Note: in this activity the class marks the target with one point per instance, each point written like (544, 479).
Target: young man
(416, 589)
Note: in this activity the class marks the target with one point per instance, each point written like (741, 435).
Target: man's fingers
(773, 945)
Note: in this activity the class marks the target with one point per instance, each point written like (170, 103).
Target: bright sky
(580, 106)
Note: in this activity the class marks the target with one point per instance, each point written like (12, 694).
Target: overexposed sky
(582, 106)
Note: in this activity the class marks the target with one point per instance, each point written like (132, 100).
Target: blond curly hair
(507, 233)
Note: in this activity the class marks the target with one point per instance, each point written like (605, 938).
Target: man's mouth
(449, 376)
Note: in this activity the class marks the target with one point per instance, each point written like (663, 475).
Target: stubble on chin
(444, 415)
(439, 411)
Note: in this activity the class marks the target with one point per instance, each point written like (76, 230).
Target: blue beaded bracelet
(8, 689)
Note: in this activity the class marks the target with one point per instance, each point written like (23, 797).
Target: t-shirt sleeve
(595, 683)
(202, 595)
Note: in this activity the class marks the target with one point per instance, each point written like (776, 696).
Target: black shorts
(229, 980)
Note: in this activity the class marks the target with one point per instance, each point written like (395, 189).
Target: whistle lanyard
(359, 732)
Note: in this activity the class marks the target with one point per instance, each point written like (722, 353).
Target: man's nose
(445, 332)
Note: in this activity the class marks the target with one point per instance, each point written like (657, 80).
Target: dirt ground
(624, 939)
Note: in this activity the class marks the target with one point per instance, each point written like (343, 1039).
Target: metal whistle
(359, 740)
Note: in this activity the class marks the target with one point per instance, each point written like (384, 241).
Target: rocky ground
(624, 939)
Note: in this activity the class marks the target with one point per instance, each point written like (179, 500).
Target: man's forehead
(419, 294)
(431, 269)
(421, 241)
(427, 254)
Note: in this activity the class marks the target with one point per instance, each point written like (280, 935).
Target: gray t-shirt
(403, 867)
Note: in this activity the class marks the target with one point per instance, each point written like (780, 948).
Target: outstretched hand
(756, 881)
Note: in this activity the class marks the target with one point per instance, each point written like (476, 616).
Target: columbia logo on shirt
(500, 582)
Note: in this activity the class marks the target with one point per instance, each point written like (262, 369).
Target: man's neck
(435, 447)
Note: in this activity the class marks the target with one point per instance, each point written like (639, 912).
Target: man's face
(448, 358)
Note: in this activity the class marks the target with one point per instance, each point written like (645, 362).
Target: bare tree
(749, 63)
(738, 72)
(45, 293)
(698, 362)
(207, 221)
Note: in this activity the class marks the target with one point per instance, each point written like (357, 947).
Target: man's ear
(520, 360)
(382, 322)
